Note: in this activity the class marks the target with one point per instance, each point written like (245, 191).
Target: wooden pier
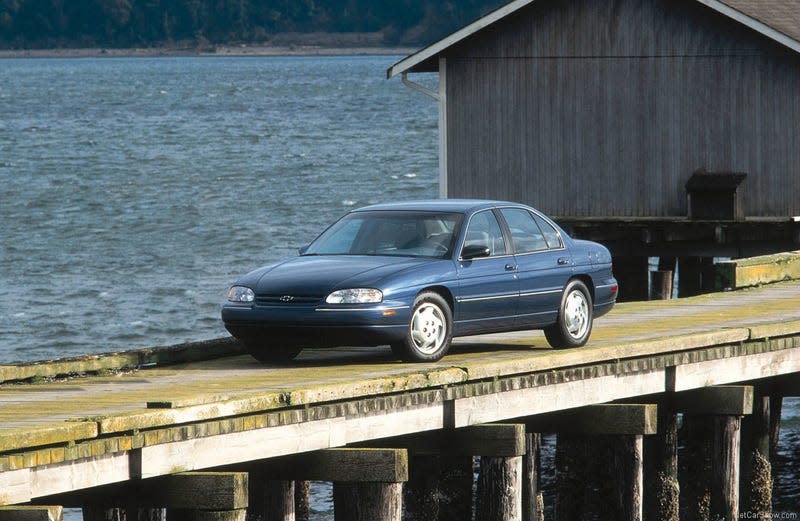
(212, 434)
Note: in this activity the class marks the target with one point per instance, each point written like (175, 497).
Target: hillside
(35, 24)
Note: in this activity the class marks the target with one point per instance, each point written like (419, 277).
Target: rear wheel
(574, 323)
(271, 354)
(429, 332)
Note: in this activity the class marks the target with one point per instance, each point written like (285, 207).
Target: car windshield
(396, 232)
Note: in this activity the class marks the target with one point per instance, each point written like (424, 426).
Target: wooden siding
(606, 108)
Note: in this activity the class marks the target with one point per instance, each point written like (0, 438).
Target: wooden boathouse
(662, 128)
(209, 434)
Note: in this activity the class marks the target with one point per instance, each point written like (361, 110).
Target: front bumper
(318, 326)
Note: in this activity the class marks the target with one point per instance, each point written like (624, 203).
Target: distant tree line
(132, 23)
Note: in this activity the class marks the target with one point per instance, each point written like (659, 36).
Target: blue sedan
(414, 275)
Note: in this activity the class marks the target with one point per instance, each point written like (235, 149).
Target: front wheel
(574, 323)
(429, 332)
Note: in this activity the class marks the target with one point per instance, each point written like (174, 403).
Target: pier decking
(76, 433)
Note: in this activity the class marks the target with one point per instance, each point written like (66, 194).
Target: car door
(543, 266)
(488, 287)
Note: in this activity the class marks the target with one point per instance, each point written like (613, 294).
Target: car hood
(319, 275)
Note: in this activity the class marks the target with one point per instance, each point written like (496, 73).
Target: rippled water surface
(133, 191)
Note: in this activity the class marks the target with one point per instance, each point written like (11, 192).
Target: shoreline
(211, 51)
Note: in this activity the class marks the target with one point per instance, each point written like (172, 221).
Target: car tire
(430, 330)
(574, 324)
(271, 354)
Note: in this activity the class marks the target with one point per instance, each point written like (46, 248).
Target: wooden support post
(662, 499)
(32, 513)
(367, 483)
(633, 277)
(572, 453)
(713, 427)
(270, 499)
(278, 497)
(421, 493)
(202, 496)
(499, 489)
(661, 285)
(662, 280)
(629, 477)
(501, 447)
(532, 499)
(776, 409)
(695, 476)
(622, 427)
(725, 467)
(756, 469)
(455, 486)
(302, 504)
(367, 501)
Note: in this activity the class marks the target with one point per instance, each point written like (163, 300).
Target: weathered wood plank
(201, 453)
(734, 400)
(737, 369)
(367, 465)
(537, 400)
(600, 420)
(20, 438)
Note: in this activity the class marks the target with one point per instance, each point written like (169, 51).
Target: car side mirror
(475, 251)
(304, 248)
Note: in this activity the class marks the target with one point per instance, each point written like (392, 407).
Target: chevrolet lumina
(414, 275)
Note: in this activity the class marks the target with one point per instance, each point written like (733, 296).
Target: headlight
(355, 296)
(241, 294)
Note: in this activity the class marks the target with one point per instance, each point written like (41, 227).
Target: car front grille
(288, 300)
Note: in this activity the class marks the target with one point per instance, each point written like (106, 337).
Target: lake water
(134, 191)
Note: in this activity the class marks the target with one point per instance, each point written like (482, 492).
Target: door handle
(511, 267)
(563, 261)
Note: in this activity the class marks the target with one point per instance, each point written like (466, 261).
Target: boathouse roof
(778, 20)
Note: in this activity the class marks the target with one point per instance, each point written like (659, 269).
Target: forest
(32, 24)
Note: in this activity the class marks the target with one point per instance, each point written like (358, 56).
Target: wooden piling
(367, 483)
(615, 429)
(204, 496)
(756, 469)
(712, 427)
(302, 505)
(421, 493)
(278, 498)
(725, 467)
(572, 453)
(628, 476)
(662, 497)
(500, 447)
(367, 501)
(661, 284)
(455, 486)
(695, 475)
(499, 489)
(269, 499)
(532, 499)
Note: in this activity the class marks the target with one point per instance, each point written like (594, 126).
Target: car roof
(440, 205)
